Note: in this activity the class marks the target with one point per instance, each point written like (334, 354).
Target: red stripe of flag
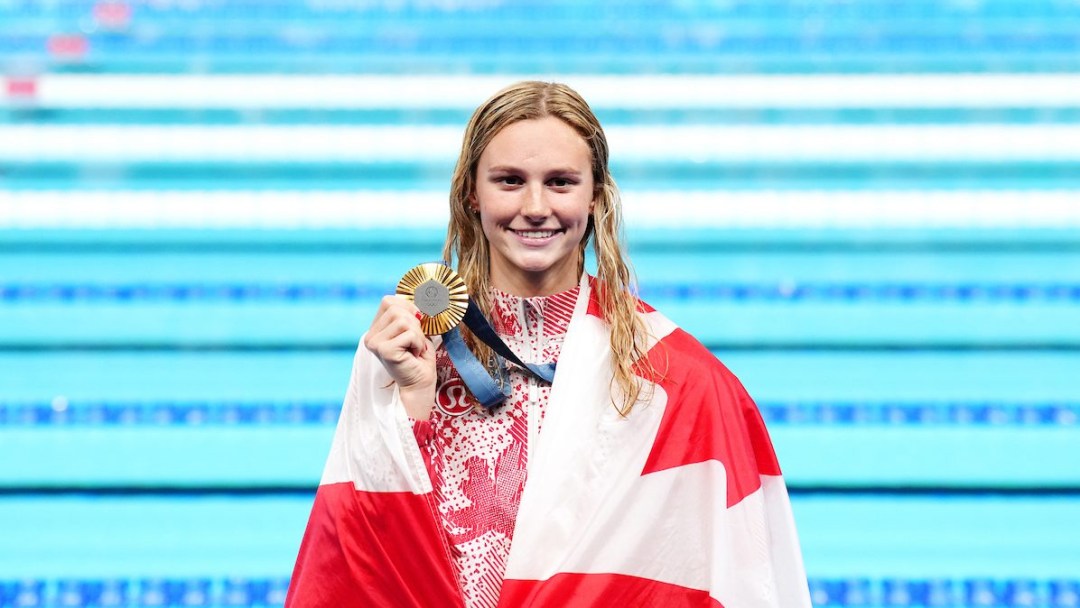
(372, 549)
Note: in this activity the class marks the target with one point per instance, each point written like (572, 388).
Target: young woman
(642, 475)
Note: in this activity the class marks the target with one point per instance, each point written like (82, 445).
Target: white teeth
(536, 234)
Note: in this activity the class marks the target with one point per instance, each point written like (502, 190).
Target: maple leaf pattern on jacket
(492, 497)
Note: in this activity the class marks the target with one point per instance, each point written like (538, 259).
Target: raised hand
(405, 352)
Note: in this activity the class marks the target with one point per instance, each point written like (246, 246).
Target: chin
(534, 269)
(540, 267)
(534, 264)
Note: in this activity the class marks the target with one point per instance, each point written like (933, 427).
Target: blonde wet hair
(465, 240)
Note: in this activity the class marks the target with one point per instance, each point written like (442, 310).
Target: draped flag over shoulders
(679, 503)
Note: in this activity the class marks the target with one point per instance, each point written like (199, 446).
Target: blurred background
(869, 209)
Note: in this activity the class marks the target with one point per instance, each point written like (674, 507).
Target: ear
(473, 204)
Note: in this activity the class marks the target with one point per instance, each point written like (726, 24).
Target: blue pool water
(169, 380)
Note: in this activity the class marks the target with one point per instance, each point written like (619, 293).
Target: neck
(532, 289)
(526, 285)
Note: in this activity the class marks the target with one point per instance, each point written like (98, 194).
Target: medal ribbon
(484, 387)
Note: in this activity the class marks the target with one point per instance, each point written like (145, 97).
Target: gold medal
(439, 293)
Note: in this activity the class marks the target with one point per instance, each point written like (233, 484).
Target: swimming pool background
(868, 210)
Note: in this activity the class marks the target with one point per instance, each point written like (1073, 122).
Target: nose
(535, 207)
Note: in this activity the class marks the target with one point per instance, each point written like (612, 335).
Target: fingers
(403, 346)
(400, 335)
(394, 309)
(396, 330)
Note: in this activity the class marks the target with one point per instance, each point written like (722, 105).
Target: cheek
(578, 212)
(492, 217)
(489, 226)
(490, 201)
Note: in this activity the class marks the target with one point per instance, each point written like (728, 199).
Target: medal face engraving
(432, 297)
(440, 295)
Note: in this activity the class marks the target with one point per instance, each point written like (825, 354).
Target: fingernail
(419, 316)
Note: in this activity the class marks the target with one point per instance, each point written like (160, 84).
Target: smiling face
(534, 193)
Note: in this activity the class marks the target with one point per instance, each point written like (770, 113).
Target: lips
(537, 234)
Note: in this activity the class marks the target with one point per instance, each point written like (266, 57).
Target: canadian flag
(679, 503)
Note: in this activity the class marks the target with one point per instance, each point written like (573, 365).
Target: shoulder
(708, 414)
(674, 354)
(680, 358)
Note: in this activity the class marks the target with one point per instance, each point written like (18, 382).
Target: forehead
(537, 140)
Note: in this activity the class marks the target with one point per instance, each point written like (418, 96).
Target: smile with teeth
(535, 234)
